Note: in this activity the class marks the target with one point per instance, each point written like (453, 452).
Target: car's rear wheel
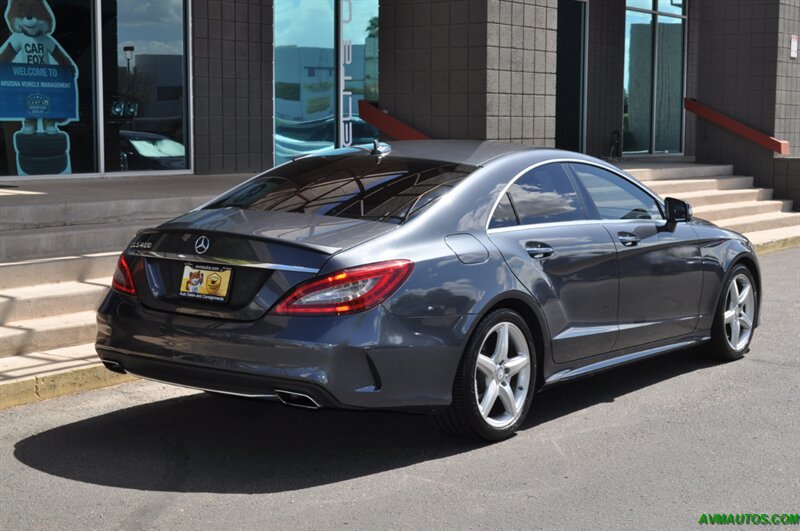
(736, 315)
(493, 388)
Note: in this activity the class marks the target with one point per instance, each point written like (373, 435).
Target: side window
(546, 195)
(614, 196)
(504, 215)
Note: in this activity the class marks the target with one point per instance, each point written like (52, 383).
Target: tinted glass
(305, 78)
(47, 88)
(638, 82)
(615, 197)
(504, 215)
(391, 191)
(545, 195)
(144, 85)
(360, 68)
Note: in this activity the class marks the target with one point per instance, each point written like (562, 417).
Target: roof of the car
(469, 152)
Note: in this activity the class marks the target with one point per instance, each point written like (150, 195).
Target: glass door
(654, 77)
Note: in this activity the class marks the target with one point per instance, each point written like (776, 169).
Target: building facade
(102, 87)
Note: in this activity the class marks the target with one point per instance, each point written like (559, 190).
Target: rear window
(389, 190)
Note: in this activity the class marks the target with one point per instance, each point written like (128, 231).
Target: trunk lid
(254, 257)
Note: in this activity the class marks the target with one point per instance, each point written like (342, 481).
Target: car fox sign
(39, 85)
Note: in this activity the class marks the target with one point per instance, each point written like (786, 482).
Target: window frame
(615, 171)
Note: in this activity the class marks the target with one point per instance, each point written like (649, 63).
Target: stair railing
(736, 127)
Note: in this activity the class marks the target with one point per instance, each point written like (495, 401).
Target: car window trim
(618, 172)
(576, 222)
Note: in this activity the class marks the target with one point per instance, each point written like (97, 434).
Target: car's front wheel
(494, 384)
(736, 315)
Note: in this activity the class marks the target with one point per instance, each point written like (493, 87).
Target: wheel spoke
(486, 366)
(508, 400)
(729, 316)
(744, 294)
(489, 398)
(735, 330)
(517, 363)
(746, 321)
(501, 348)
(734, 292)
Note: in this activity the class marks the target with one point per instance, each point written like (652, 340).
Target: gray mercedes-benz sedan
(453, 278)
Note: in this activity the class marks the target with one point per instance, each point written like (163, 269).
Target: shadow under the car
(204, 443)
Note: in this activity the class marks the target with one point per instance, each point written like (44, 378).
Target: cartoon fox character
(31, 42)
(194, 282)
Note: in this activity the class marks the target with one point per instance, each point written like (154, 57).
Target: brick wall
(521, 71)
(744, 72)
(606, 57)
(787, 96)
(232, 44)
(473, 69)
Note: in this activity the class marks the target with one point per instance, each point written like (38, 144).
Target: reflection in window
(144, 85)
(392, 191)
(305, 78)
(545, 195)
(615, 197)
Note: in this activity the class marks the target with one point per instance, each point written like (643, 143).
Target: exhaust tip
(291, 398)
(115, 366)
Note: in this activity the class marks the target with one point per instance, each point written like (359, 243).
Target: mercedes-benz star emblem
(202, 244)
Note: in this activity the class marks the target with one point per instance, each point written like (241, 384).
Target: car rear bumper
(367, 360)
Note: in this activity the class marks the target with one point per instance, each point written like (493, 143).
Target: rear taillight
(346, 291)
(123, 281)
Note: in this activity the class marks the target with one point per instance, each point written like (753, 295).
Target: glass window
(675, 7)
(47, 109)
(392, 191)
(360, 68)
(545, 195)
(305, 78)
(504, 215)
(615, 197)
(638, 82)
(669, 85)
(144, 85)
(640, 4)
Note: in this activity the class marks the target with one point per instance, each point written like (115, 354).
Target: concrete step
(38, 376)
(68, 241)
(717, 197)
(58, 269)
(760, 222)
(668, 187)
(47, 300)
(19, 217)
(667, 171)
(31, 335)
(736, 210)
(775, 239)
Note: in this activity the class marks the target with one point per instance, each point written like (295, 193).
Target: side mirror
(677, 210)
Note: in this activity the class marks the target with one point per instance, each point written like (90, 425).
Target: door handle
(538, 250)
(628, 239)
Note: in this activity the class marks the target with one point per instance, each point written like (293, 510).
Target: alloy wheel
(502, 375)
(739, 312)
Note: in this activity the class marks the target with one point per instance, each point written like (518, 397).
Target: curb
(23, 391)
(777, 245)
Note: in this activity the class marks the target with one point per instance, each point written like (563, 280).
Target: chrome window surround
(616, 172)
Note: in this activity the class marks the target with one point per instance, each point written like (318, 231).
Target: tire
(43, 165)
(510, 373)
(737, 311)
(41, 145)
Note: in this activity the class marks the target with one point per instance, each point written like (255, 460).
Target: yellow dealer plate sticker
(205, 282)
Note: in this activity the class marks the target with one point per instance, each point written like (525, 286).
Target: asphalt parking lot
(649, 446)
